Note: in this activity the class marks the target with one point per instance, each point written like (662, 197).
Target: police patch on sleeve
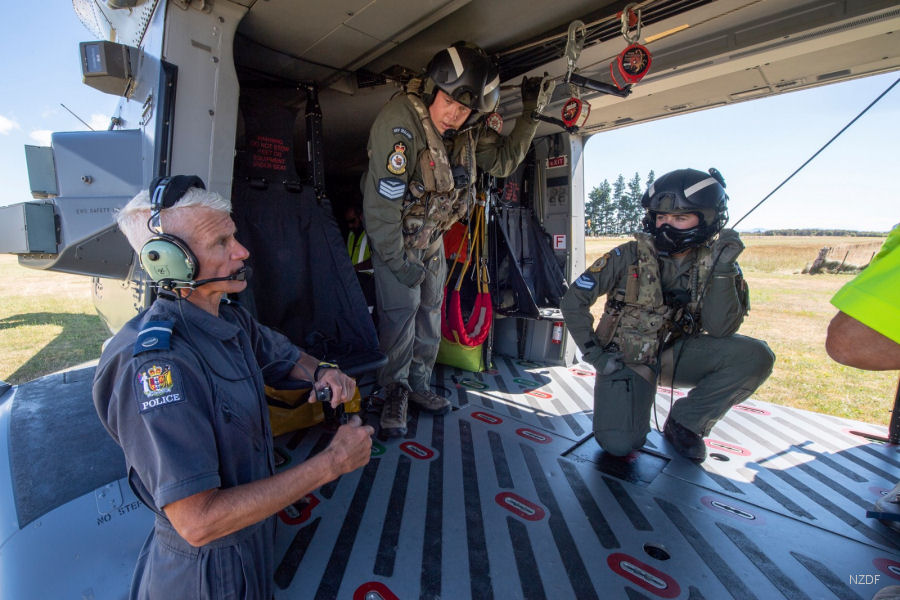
(391, 188)
(585, 282)
(396, 163)
(599, 264)
(157, 383)
(402, 131)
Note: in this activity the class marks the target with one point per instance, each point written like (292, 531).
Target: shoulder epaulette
(155, 335)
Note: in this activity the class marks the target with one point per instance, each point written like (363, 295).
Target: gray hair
(132, 218)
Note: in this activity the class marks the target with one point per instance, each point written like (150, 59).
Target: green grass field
(48, 323)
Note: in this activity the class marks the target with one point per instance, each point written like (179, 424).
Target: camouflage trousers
(722, 372)
(409, 321)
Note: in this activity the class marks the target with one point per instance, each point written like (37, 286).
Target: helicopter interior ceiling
(704, 53)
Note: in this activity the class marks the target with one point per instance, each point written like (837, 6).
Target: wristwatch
(323, 365)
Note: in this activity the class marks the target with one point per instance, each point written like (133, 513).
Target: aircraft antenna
(819, 151)
(76, 116)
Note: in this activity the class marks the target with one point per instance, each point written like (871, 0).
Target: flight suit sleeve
(165, 422)
(723, 309)
(393, 150)
(500, 155)
(599, 279)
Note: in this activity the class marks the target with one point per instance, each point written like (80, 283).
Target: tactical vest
(433, 204)
(637, 319)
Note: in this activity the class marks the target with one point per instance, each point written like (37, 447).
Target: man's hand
(342, 386)
(411, 274)
(531, 89)
(605, 363)
(351, 446)
(727, 247)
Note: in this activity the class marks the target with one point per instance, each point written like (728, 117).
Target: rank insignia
(495, 122)
(396, 163)
(599, 264)
(585, 282)
(391, 188)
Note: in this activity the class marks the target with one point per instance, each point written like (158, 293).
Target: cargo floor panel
(509, 496)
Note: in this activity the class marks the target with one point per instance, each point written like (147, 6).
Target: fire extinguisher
(557, 334)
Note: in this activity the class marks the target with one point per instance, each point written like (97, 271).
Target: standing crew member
(180, 389)
(675, 298)
(423, 150)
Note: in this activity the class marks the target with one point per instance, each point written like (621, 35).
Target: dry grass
(791, 312)
(48, 323)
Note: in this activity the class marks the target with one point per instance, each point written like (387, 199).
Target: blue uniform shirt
(182, 392)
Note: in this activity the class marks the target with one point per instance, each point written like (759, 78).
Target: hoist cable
(819, 151)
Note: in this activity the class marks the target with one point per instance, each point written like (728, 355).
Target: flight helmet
(467, 74)
(685, 191)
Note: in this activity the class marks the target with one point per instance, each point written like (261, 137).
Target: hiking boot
(393, 413)
(686, 442)
(430, 402)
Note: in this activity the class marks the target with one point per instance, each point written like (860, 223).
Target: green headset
(166, 258)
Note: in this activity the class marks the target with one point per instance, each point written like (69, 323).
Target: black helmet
(466, 74)
(685, 191)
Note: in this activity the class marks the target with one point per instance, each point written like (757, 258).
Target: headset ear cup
(168, 258)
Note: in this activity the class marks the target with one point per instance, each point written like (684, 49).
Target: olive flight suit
(409, 260)
(722, 367)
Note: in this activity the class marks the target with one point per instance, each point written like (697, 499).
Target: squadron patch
(585, 282)
(402, 131)
(391, 188)
(157, 383)
(495, 122)
(396, 162)
(599, 264)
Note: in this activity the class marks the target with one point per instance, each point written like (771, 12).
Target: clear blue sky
(754, 144)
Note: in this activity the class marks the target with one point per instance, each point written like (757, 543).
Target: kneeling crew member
(675, 298)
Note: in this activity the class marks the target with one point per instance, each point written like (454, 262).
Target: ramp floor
(509, 496)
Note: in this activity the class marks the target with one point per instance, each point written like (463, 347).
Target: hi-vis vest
(637, 319)
(359, 250)
(433, 204)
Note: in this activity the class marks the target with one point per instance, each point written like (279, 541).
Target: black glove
(531, 87)
(605, 363)
(725, 250)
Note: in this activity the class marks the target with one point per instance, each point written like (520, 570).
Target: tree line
(615, 209)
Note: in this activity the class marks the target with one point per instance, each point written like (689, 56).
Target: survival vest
(638, 320)
(435, 203)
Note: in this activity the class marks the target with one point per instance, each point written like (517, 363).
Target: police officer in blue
(180, 389)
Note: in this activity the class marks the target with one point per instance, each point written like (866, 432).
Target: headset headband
(165, 192)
